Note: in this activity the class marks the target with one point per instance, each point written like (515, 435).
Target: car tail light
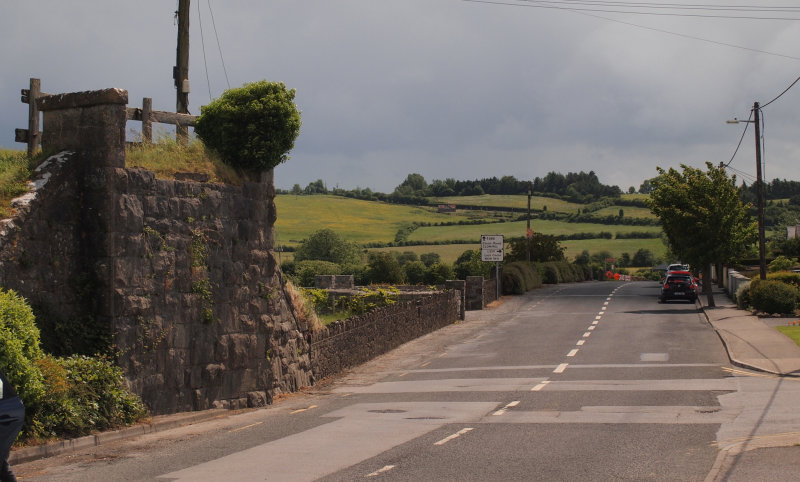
(666, 286)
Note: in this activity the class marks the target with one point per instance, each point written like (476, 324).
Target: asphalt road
(588, 381)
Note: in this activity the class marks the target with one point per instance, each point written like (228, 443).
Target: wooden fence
(146, 115)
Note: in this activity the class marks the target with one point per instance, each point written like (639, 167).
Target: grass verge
(792, 332)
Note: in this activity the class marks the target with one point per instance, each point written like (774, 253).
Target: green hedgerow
(252, 127)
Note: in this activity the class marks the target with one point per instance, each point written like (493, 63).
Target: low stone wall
(734, 281)
(347, 343)
(489, 291)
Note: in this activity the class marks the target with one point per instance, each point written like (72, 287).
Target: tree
(326, 245)
(470, 264)
(252, 127)
(646, 187)
(414, 185)
(296, 189)
(702, 216)
(544, 247)
(643, 258)
(384, 268)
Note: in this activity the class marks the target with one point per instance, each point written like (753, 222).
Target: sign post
(492, 250)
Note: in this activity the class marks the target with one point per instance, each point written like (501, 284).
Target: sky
(446, 88)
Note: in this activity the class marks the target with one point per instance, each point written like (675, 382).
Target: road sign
(492, 247)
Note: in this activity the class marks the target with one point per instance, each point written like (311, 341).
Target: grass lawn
(628, 211)
(792, 332)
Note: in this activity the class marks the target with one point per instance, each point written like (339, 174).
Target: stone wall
(347, 343)
(180, 276)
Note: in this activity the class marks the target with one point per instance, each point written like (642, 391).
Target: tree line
(581, 187)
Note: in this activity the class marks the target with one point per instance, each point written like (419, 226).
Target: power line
(653, 29)
(219, 46)
(779, 95)
(203, 43)
(555, 5)
(746, 125)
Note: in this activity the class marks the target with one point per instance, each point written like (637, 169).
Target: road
(585, 381)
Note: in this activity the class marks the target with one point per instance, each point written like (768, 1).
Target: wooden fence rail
(33, 135)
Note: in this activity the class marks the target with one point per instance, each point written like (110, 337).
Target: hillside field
(368, 221)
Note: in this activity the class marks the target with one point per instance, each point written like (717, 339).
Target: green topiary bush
(252, 127)
(771, 296)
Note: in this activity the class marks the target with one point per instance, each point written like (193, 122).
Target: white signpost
(492, 250)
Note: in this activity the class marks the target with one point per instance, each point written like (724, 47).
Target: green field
(369, 221)
(356, 220)
(628, 211)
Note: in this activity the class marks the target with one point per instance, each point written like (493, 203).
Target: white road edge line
(455, 435)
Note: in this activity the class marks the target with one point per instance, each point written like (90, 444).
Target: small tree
(252, 127)
(702, 216)
(326, 245)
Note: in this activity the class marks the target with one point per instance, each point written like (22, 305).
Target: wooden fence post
(34, 136)
(147, 120)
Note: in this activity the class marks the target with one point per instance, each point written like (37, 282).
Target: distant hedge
(520, 276)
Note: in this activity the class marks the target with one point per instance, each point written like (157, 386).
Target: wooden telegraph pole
(181, 71)
(762, 258)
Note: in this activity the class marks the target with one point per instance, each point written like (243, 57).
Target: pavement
(752, 342)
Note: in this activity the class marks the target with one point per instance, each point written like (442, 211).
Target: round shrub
(19, 348)
(743, 301)
(771, 296)
(252, 127)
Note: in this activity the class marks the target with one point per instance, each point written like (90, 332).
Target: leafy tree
(414, 185)
(326, 245)
(544, 247)
(646, 187)
(470, 264)
(438, 273)
(702, 216)
(252, 127)
(316, 187)
(406, 257)
(631, 190)
(583, 258)
(430, 258)
(415, 272)
(384, 268)
(296, 189)
(643, 258)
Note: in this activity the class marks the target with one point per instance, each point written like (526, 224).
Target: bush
(438, 273)
(19, 349)
(415, 272)
(786, 277)
(252, 127)
(305, 271)
(520, 277)
(771, 296)
(383, 267)
(782, 263)
(743, 301)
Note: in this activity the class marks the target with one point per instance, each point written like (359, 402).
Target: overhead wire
(219, 46)
(643, 27)
(556, 5)
(203, 43)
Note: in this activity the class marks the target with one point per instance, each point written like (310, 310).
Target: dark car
(12, 414)
(679, 286)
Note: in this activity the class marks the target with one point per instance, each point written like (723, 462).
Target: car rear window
(678, 279)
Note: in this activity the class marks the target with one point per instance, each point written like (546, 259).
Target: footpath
(752, 342)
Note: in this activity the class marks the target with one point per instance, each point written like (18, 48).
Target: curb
(164, 422)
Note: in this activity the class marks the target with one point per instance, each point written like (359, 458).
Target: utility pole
(528, 233)
(762, 257)
(181, 71)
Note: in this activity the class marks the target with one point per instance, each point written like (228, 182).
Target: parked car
(679, 286)
(12, 414)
